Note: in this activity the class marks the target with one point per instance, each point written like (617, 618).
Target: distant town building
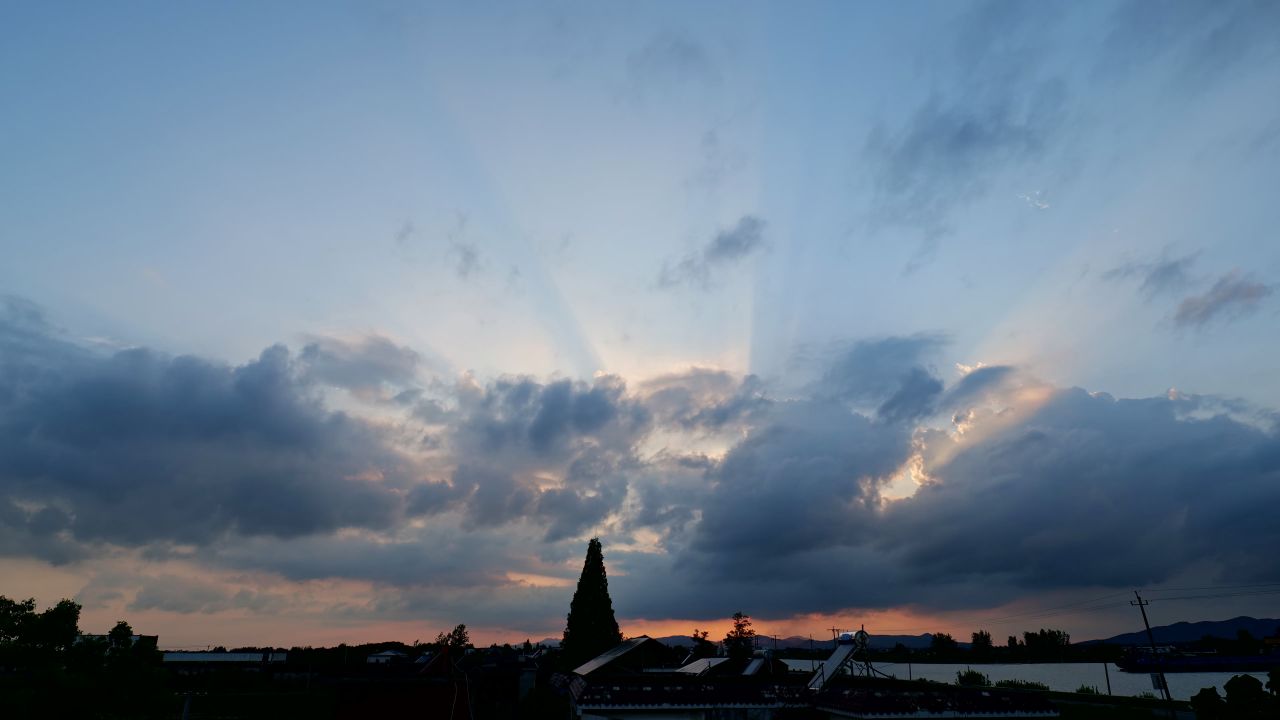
(225, 658)
(385, 657)
(625, 682)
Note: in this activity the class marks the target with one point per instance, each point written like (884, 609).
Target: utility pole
(1142, 605)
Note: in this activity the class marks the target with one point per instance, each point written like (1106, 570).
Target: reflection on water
(1069, 676)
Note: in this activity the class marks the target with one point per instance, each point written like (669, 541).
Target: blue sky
(683, 227)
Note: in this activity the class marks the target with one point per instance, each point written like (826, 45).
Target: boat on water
(1173, 660)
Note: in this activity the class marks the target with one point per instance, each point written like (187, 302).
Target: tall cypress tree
(591, 628)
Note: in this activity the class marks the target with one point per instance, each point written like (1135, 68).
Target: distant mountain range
(1165, 634)
(1191, 631)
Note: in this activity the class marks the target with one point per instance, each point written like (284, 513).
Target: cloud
(468, 259)
(138, 446)
(363, 365)
(178, 594)
(1090, 490)
(1198, 42)
(704, 480)
(1160, 276)
(671, 59)
(729, 247)
(1043, 491)
(978, 386)
(947, 151)
(1004, 110)
(887, 373)
(553, 452)
(704, 398)
(1232, 296)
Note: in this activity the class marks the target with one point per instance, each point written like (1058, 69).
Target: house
(623, 683)
(386, 657)
(195, 663)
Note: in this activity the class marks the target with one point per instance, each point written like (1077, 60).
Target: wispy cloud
(727, 248)
(1005, 110)
(1163, 275)
(671, 59)
(1233, 295)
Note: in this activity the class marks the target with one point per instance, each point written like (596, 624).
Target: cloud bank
(474, 498)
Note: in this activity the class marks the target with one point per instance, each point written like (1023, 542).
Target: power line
(1221, 595)
(1212, 587)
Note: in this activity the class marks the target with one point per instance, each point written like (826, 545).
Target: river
(1069, 676)
(1060, 676)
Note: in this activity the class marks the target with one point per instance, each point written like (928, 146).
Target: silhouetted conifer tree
(591, 628)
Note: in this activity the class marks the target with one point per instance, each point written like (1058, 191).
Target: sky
(346, 322)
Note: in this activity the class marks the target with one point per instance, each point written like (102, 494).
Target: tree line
(48, 668)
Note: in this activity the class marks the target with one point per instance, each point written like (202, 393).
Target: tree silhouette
(702, 647)
(1208, 704)
(981, 642)
(942, 642)
(591, 627)
(121, 636)
(741, 638)
(456, 639)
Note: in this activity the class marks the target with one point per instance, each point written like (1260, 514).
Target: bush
(970, 676)
(1088, 690)
(1021, 685)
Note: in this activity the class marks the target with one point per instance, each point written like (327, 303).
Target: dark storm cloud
(727, 248)
(523, 417)
(242, 468)
(888, 374)
(515, 429)
(1074, 490)
(139, 446)
(1233, 295)
(40, 534)
(1160, 276)
(668, 492)
(816, 464)
(1090, 490)
(868, 371)
(914, 398)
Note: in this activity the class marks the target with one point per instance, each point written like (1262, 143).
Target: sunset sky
(327, 322)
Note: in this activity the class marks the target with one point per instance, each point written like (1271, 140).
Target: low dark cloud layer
(138, 446)
(1077, 490)
(713, 488)
(727, 248)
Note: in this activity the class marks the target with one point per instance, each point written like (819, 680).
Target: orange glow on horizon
(817, 625)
